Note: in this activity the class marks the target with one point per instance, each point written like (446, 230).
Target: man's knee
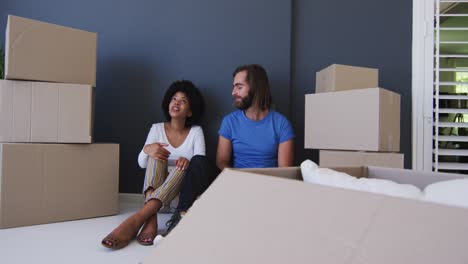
(201, 166)
(198, 160)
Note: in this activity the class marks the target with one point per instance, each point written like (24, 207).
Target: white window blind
(450, 89)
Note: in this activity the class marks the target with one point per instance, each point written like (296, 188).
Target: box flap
(358, 172)
(417, 178)
(340, 226)
(248, 218)
(225, 227)
(284, 172)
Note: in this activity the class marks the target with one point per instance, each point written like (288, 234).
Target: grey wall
(368, 33)
(145, 45)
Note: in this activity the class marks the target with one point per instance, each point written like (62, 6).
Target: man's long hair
(259, 85)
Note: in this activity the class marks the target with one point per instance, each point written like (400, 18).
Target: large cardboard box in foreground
(44, 183)
(333, 158)
(45, 112)
(338, 77)
(245, 217)
(364, 119)
(41, 51)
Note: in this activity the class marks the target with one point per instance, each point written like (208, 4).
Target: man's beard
(245, 102)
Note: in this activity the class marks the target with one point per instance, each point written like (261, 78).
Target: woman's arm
(152, 149)
(199, 147)
(143, 157)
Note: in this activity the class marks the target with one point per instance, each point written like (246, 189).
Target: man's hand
(182, 163)
(157, 151)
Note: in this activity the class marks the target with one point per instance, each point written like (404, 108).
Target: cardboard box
(244, 217)
(44, 183)
(338, 77)
(329, 158)
(41, 51)
(417, 178)
(45, 112)
(365, 119)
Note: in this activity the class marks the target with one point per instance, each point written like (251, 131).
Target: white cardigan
(193, 145)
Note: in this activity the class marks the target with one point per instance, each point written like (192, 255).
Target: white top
(193, 145)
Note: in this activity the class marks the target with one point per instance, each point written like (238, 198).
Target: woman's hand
(182, 163)
(157, 151)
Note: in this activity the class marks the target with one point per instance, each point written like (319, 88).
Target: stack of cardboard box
(48, 98)
(351, 120)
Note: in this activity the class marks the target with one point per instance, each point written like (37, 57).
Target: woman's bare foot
(148, 232)
(124, 233)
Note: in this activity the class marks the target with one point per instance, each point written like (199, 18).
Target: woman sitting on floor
(168, 150)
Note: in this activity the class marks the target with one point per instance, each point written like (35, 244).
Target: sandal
(148, 231)
(110, 241)
(146, 239)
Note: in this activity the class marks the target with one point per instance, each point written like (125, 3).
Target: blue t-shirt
(255, 143)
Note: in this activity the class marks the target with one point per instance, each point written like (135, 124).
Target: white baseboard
(131, 198)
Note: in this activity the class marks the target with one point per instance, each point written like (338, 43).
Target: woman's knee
(154, 162)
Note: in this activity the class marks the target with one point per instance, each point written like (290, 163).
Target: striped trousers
(166, 184)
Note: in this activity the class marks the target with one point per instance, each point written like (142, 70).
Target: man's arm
(224, 152)
(286, 153)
